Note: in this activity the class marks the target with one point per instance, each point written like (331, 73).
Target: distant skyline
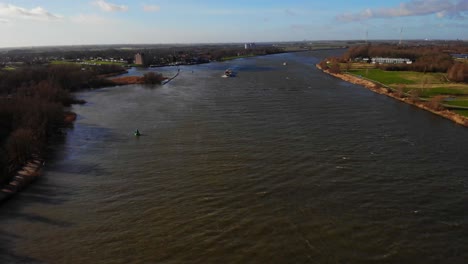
(67, 22)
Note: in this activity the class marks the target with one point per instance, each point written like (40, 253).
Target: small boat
(284, 64)
(137, 133)
(228, 73)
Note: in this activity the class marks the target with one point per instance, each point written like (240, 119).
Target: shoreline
(32, 168)
(458, 119)
(127, 80)
(29, 171)
(132, 80)
(112, 74)
(24, 176)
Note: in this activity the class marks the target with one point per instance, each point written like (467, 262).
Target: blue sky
(76, 22)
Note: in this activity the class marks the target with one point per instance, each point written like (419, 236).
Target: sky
(80, 22)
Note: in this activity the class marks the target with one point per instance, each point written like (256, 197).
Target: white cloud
(151, 8)
(441, 8)
(91, 19)
(109, 7)
(37, 13)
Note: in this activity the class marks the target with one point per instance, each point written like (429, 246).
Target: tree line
(32, 107)
(160, 55)
(425, 58)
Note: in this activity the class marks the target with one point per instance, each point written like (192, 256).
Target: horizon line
(219, 43)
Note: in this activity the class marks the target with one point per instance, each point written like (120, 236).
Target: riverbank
(133, 80)
(459, 119)
(28, 173)
(31, 170)
(127, 80)
(112, 74)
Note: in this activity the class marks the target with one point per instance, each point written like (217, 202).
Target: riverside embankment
(28, 173)
(31, 170)
(126, 80)
(380, 89)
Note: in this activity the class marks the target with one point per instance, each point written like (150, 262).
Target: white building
(390, 60)
(249, 46)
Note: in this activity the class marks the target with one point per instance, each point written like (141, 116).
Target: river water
(281, 164)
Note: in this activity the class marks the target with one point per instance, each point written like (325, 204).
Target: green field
(431, 92)
(399, 77)
(463, 103)
(428, 85)
(461, 112)
(384, 77)
(9, 68)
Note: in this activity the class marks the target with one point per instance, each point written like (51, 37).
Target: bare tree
(348, 66)
(414, 95)
(436, 103)
(400, 91)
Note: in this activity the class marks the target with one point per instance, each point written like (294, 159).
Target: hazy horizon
(38, 23)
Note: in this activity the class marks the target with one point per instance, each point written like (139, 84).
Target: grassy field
(448, 91)
(387, 78)
(427, 85)
(461, 112)
(9, 68)
(463, 103)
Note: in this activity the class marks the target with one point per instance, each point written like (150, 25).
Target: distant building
(391, 60)
(249, 46)
(140, 59)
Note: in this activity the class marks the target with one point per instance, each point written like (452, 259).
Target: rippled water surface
(281, 164)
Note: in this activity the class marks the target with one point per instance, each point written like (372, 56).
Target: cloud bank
(151, 8)
(37, 13)
(92, 19)
(441, 8)
(109, 7)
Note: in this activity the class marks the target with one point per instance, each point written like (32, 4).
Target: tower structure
(140, 59)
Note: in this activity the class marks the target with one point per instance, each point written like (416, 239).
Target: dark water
(281, 164)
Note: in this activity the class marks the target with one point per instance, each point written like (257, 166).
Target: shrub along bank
(33, 103)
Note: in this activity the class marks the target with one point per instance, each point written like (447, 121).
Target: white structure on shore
(390, 60)
(249, 46)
